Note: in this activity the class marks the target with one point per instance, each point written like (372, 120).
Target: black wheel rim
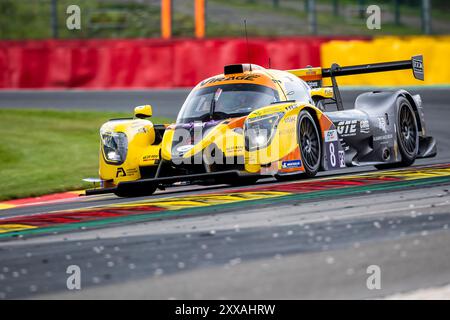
(309, 141)
(408, 130)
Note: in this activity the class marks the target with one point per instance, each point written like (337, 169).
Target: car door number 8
(332, 155)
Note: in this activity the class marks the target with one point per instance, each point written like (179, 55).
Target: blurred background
(42, 19)
(66, 66)
(177, 43)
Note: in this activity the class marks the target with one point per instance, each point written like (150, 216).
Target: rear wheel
(407, 135)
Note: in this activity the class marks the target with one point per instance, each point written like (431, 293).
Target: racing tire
(132, 191)
(407, 135)
(310, 144)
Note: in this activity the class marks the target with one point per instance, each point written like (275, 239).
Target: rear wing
(314, 76)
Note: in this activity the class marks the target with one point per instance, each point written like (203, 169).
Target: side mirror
(143, 112)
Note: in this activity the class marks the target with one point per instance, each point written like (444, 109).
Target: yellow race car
(251, 122)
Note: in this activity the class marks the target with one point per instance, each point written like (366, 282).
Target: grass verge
(45, 151)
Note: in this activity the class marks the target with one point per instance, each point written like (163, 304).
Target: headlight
(260, 131)
(115, 146)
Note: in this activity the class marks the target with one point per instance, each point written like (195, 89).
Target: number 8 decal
(332, 155)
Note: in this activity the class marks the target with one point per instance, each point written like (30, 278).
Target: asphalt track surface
(305, 239)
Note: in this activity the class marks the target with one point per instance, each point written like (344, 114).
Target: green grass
(45, 151)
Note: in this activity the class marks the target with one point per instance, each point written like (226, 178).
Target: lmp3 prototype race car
(250, 122)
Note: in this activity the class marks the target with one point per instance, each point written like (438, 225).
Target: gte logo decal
(347, 128)
(120, 173)
(350, 127)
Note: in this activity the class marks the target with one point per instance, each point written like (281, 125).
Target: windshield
(229, 100)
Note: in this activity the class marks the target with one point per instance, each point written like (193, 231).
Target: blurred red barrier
(143, 63)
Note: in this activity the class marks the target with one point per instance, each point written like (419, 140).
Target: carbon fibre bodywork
(374, 138)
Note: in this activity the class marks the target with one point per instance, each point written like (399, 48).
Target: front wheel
(310, 144)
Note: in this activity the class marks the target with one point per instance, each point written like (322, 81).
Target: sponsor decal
(120, 172)
(242, 77)
(417, 67)
(291, 164)
(132, 172)
(364, 126)
(290, 119)
(341, 159)
(288, 131)
(314, 84)
(385, 137)
(292, 107)
(150, 157)
(235, 149)
(331, 135)
(382, 124)
(347, 128)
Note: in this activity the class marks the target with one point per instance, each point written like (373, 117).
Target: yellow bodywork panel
(284, 144)
(283, 139)
(140, 136)
(307, 74)
(166, 146)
